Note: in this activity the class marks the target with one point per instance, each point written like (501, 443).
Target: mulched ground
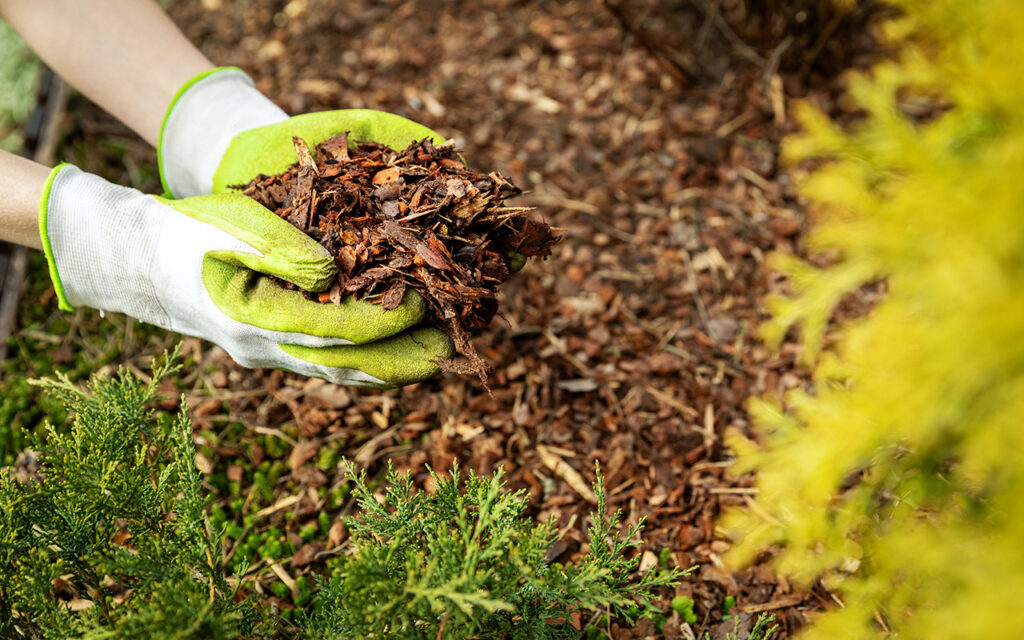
(650, 131)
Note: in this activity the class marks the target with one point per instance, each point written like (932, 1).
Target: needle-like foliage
(110, 538)
(465, 561)
(900, 476)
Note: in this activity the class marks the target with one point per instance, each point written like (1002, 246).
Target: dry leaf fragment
(203, 464)
(336, 534)
(393, 296)
(306, 554)
(535, 239)
(334, 293)
(395, 232)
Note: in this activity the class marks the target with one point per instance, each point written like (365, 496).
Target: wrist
(201, 121)
(21, 182)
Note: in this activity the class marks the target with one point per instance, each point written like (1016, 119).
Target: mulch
(650, 131)
(413, 219)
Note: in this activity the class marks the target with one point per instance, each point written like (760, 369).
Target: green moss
(19, 74)
(327, 459)
(305, 591)
(308, 532)
(280, 590)
(728, 604)
(684, 606)
(665, 557)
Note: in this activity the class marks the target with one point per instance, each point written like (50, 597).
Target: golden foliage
(899, 477)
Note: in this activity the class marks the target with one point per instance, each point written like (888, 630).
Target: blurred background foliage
(899, 477)
(19, 73)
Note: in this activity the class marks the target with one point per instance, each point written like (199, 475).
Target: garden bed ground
(650, 131)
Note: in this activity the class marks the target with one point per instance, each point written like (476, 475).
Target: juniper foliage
(114, 524)
(899, 478)
(109, 538)
(467, 562)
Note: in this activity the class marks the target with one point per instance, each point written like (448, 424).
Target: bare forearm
(21, 184)
(125, 55)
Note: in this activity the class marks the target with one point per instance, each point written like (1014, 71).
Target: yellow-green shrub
(900, 476)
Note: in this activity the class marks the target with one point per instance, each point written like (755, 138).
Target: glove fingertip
(397, 361)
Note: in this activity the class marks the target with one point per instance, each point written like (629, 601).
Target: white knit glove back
(205, 116)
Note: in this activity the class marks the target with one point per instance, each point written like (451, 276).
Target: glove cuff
(44, 234)
(202, 119)
(99, 243)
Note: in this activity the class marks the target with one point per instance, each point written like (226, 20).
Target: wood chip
(562, 469)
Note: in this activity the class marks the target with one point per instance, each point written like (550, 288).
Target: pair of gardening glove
(197, 263)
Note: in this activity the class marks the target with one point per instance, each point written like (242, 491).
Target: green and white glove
(220, 131)
(195, 266)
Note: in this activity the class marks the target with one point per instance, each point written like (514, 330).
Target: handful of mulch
(411, 219)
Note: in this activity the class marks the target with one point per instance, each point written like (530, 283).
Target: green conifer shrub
(115, 524)
(465, 562)
(110, 538)
(899, 477)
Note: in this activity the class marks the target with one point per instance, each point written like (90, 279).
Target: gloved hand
(194, 266)
(220, 131)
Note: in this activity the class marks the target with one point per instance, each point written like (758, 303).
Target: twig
(736, 41)
(702, 311)
(235, 546)
(819, 44)
(668, 399)
(775, 57)
(740, 491)
(268, 431)
(283, 503)
(561, 468)
(213, 569)
(774, 80)
(367, 453)
(709, 426)
(661, 52)
(779, 603)
(285, 578)
(758, 511)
